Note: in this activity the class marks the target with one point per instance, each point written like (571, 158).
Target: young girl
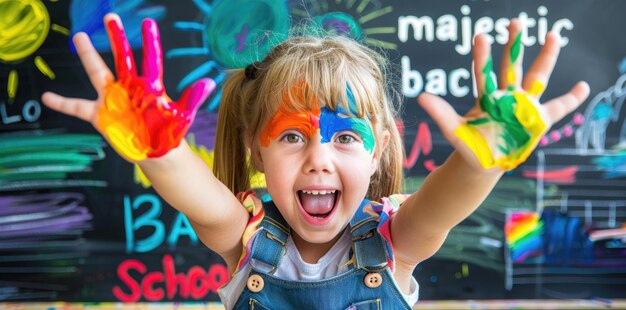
(315, 118)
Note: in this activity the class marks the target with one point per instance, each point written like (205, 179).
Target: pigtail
(231, 165)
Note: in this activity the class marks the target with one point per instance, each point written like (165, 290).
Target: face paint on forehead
(324, 120)
(332, 122)
(306, 122)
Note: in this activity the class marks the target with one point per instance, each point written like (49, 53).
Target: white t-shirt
(292, 267)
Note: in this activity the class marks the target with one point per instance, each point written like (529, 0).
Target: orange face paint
(306, 122)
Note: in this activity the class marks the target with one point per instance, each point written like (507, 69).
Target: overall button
(373, 280)
(255, 283)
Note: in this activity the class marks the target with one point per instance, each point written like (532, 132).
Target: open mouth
(318, 205)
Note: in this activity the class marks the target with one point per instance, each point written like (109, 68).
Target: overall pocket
(256, 305)
(373, 304)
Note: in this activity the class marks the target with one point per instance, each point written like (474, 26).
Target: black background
(595, 51)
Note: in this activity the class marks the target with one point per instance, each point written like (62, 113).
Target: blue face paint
(328, 122)
(331, 122)
(351, 102)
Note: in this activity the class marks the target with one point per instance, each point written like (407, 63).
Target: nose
(319, 157)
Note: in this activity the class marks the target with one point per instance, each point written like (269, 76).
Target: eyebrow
(332, 122)
(307, 122)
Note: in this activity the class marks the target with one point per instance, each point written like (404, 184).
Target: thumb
(441, 112)
(76, 107)
(558, 107)
(195, 95)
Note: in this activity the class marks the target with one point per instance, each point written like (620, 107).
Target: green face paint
(332, 122)
(327, 122)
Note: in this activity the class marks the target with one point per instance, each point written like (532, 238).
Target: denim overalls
(367, 285)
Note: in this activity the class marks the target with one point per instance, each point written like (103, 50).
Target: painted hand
(505, 125)
(133, 112)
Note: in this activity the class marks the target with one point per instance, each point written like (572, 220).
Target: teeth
(322, 192)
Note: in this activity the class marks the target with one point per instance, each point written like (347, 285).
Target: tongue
(317, 204)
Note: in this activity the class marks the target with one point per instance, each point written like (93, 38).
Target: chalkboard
(77, 223)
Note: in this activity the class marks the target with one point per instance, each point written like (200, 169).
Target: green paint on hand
(516, 48)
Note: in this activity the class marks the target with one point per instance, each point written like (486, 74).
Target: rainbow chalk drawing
(137, 117)
(512, 115)
(523, 234)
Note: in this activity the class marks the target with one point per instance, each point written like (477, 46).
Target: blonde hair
(329, 66)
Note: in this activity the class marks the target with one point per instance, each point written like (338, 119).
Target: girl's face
(317, 166)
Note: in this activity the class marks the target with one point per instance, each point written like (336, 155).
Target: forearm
(449, 194)
(185, 181)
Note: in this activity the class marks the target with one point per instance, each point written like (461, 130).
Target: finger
(442, 113)
(511, 64)
(195, 95)
(483, 67)
(80, 108)
(123, 54)
(152, 65)
(557, 108)
(539, 73)
(97, 70)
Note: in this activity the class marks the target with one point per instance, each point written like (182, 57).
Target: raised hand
(133, 112)
(505, 125)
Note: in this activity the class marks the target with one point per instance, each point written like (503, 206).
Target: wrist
(469, 165)
(174, 156)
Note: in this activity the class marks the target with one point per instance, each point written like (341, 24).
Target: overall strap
(368, 246)
(269, 244)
